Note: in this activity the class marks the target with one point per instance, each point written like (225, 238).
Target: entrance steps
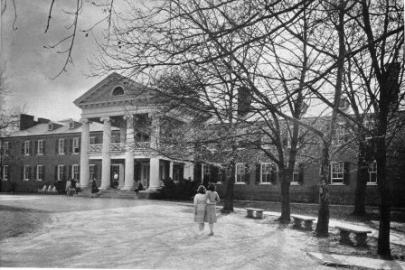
(118, 194)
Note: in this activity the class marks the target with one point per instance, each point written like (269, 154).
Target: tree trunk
(361, 184)
(322, 226)
(285, 198)
(385, 200)
(229, 184)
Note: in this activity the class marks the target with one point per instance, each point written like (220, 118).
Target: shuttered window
(75, 171)
(27, 172)
(40, 147)
(61, 146)
(372, 173)
(240, 173)
(40, 172)
(27, 148)
(75, 145)
(265, 173)
(60, 172)
(337, 172)
(5, 173)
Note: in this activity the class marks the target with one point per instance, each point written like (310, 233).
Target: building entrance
(145, 174)
(115, 175)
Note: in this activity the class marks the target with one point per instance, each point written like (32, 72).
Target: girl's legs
(201, 226)
(211, 229)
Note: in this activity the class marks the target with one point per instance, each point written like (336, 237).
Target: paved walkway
(103, 233)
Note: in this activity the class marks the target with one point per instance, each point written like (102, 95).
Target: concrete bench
(298, 220)
(360, 234)
(254, 213)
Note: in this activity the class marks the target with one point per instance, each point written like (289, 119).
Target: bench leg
(345, 237)
(361, 239)
(259, 214)
(308, 225)
(250, 213)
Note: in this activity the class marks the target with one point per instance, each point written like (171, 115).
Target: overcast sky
(30, 67)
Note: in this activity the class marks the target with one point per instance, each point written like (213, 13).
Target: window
(295, 176)
(27, 172)
(92, 139)
(75, 145)
(118, 91)
(337, 172)
(61, 172)
(372, 173)
(40, 172)
(75, 171)
(61, 146)
(6, 148)
(40, 149)
(27, 148)
(5, 173)
(50, 127)
(72, 125)
(240, 173)
(265, 173)
(92, 171)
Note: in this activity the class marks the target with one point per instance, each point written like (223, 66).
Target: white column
(105, 153)
(84, 154)
(154, 182)
(129, 153)
(171, 169)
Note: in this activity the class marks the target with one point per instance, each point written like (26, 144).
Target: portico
(130, 115)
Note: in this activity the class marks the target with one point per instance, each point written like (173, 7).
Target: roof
(42, 129)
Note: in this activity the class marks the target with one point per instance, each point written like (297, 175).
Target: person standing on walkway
(212, 199)
(200, 204)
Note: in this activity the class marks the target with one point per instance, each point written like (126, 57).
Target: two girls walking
(204, 207)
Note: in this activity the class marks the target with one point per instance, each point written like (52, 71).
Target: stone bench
(254, 213)
(298, 220)
(360, 234)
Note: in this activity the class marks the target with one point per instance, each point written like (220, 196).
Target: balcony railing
(117, 147)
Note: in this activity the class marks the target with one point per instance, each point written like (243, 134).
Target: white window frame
(373, 167)
(295, 176)
(263, 166)
(91, 171)
(340, 179)
(27, 148)
(40, 148)
(75, 144)
(61, 146)
(60, 172)
(5, 173)
(73, 171)
(6, 148)
(25, 173)
(236, 173)
(38, 176)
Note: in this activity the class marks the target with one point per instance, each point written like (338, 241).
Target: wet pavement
(113, 233)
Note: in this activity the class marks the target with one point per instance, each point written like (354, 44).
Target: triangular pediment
(107, 91)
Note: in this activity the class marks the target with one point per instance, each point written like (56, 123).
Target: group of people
(71, 187)
(204, 207)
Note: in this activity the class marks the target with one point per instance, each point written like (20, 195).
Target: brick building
(117, 141)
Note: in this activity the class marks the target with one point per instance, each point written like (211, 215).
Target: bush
(183, 190)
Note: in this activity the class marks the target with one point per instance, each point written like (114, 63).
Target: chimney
(244, 100)
(26, 121)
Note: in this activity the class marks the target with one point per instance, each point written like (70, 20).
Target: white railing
(118, 147)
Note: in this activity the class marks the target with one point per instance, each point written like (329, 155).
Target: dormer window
(50, 126)
(118, 91)
(72, 125)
